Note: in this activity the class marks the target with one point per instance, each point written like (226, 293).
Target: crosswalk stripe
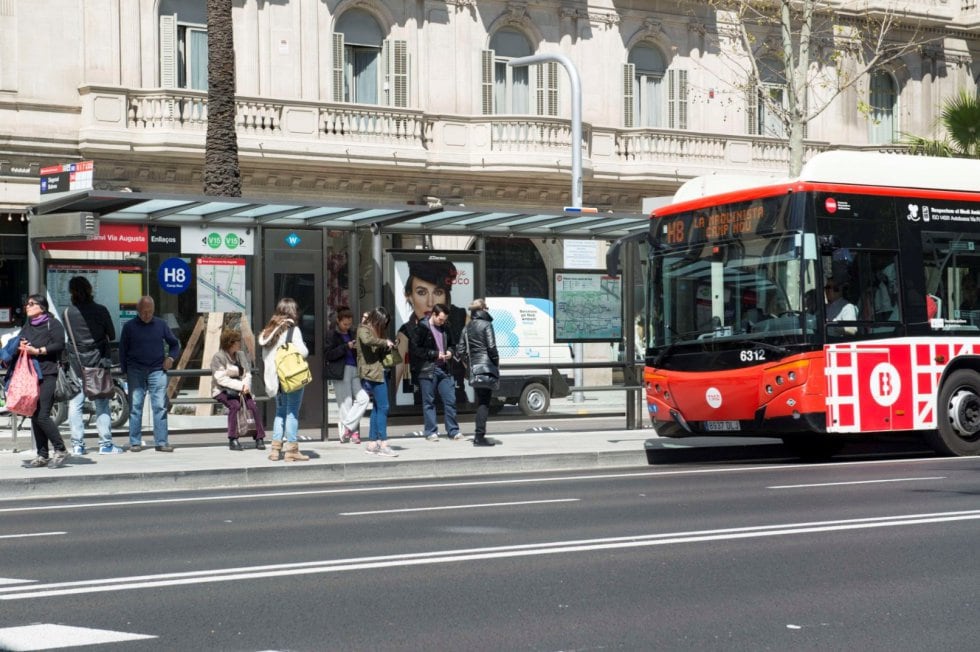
(44, 636)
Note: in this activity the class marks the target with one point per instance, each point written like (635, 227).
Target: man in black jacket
(90, 331)
(430, 349)
(479, 345)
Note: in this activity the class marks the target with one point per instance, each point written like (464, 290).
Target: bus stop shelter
(83, 215)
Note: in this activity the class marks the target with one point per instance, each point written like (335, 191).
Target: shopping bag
(246, 420)
(22, 392)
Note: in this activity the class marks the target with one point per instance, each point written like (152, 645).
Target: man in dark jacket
(479, 345)
(90, 329)
(430, 348)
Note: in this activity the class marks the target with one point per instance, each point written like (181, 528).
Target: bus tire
(958, 415)
(59, 412)
(118, 407)
(535, 400)
(813, 448)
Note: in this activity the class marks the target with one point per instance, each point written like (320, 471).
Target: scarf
(40, 319)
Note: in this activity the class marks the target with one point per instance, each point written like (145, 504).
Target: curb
(301, 473)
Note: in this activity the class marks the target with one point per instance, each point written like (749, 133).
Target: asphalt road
(877, 554)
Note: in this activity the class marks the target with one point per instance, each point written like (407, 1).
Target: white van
(524, 331)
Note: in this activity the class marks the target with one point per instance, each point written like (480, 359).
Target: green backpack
(291, 367)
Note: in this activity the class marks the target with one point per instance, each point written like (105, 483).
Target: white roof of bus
(893, 170)
(858, 168)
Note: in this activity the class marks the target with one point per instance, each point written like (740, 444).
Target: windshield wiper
(781, 350)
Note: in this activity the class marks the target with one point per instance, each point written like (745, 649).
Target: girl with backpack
(280, 330)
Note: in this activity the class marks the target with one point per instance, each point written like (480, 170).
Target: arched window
(764, 118)
(653, 95)
(183, 44)
(507, 89)
(883, 100)
(367, 68)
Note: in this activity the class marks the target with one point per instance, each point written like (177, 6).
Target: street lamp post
(576, 84)
(576, 115)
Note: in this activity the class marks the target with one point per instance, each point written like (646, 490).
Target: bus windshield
(747, 288)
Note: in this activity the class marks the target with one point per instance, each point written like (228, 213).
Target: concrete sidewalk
(594, 438)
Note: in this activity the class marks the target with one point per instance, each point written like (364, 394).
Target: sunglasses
(32, 303)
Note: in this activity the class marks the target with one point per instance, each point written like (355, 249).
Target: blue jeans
(103, 422)
(444, 384)
(379, 412)
(142, 381)
(287, 415)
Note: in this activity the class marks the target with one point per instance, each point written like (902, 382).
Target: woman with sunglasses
(43, 338)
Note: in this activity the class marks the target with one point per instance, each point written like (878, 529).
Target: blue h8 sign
(174, 275)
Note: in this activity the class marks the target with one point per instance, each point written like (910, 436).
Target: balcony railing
(161, 118)
(184, 110)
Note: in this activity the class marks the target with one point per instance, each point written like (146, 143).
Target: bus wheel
(813, 448)
(958, 415)
(535, 400)
(118, 407)
(59, 412)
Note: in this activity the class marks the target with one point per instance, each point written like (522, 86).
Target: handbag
(482, 375)
(96, 381)
(22, 392)
(68, 384)
(246, 420)
(392, 358)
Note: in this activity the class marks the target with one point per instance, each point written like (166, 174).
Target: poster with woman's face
(420, 281)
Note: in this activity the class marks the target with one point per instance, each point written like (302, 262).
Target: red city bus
(842, 303)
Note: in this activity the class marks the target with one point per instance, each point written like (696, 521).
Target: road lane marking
(472, 554)
(44, 636)
(444, 507)
(31, 534)
(360, 489)
(843, 484)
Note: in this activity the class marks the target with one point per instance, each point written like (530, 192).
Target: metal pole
(576, 84)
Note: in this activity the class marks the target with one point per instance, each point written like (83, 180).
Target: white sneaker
(433, 437)
(385, 451)
(78, 449)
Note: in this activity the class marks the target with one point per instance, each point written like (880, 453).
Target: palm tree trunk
(221, 171)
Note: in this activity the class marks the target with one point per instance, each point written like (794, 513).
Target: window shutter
(338, 68)
(486, 81)
(394, 53)
(546, 88)
(539, 84)
(552, 104)
(677, 99)
(629, 107)
(168, 51)
(752, 110)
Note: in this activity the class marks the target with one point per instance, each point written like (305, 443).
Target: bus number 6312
(752, 355)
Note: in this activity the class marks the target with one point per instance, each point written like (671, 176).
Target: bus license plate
(721, 426)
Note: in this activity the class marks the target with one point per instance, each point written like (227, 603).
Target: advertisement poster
(418, 281)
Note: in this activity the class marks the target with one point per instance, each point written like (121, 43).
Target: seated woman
(231, 385)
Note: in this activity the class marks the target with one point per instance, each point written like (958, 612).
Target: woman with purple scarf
(43, 338)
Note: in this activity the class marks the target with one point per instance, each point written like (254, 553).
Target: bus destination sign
(717, 223)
